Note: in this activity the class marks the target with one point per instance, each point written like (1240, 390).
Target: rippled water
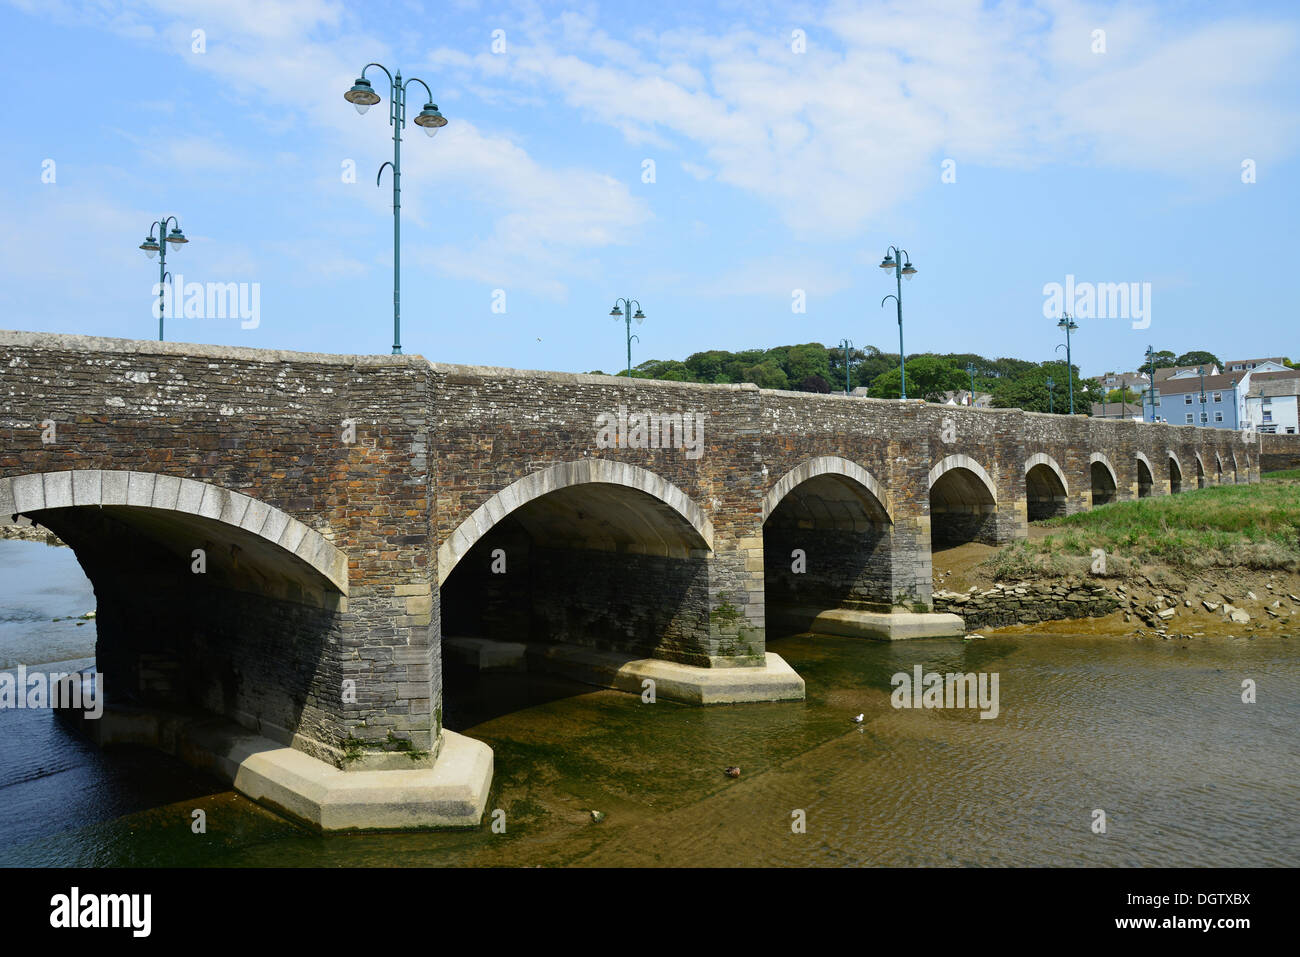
(1152, 732)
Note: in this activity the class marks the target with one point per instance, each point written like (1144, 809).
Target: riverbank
(1222, 561)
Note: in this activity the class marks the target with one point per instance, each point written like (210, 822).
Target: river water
(1153, 733)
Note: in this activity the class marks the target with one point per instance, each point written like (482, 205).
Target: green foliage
(1199, 358)
(928, 377)
(1124, 394)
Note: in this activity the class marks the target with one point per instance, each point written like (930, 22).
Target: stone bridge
(283, 539)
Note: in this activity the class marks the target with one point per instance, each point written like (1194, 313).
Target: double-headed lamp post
(847, 346)
(970, 371)
(901, 263)
(363, 97)
(158, 247)
(1051, 405)
(617, 313)
(1069, 325)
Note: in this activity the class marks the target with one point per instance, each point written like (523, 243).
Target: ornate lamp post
(901, 263)
(158, 247)
(847, 346)
(1051, 406)
(1069, 325)
(430, 120)
(617, 313)
(970, 371)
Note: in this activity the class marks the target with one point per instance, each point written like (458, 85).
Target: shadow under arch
(206, 598)
(594, 554)
(827, 543)
(1046, 489)
(963, 502)
(1104, 479)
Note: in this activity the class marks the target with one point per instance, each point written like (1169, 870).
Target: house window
(1218, 417)
(1187, 399)
(1268, 416)
(1156, 402)
(1218, 397)
(1205, 417)
(1189, 418)
(1290, 430)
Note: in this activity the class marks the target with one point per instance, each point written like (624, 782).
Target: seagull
(858, 719)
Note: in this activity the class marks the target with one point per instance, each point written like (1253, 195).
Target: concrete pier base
(451, 793)
(880, 626)
(772, 681)
(484, 654)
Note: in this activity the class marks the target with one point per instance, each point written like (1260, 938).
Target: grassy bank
(1229, 526)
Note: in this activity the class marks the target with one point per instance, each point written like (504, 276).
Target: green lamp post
(363, 97)
(901, 263)
(1051, 405)
(617, 313)
(1069, 325)
(1151, 359)
(847, 346)
(158, 247)
(970, 371)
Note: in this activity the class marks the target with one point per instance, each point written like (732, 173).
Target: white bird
(858, 719)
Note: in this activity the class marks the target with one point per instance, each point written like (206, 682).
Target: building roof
(1228, 364)
(1213, 383)
(1274, 383)
(1171, 371)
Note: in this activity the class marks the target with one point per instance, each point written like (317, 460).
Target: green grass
(1229, 526)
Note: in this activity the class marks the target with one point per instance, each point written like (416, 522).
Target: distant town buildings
(1273, 364)
(1272, 402)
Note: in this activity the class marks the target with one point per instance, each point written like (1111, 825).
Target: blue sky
(775, 170)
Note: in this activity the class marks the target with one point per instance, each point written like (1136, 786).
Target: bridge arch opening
(596, 554)
(205, 598)
(1145, 481)
(1105, 485)
(1175, 475)
(963, 502)
(1201, 480)
(1218, 469)
(1046, 491)
(827, 542)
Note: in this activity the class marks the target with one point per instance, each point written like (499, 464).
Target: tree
(1124, 394)
(767, 375)
(1164, 359)
(928, 377)
(1206, 359)
(813, 383)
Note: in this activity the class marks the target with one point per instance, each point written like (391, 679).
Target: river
(1153, 733)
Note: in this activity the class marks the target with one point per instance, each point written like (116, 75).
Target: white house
(1273, 402)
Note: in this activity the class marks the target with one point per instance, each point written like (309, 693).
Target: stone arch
(1145, 475)
(1236, 468)
(166, 494)
(1046, 488)
(959, 461)
(963, 501)
(1202, 476)
(827, 542)
(1103, 479)
(826, 465)
(1175, 472)
(585, 472)
(1218, 469)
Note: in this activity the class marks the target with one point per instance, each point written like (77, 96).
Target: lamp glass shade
(362, 95)
(887, 263)
(639, 315)
(431, 119)
(909, 271)
(176, 238)
(616, 312)
(150, 247)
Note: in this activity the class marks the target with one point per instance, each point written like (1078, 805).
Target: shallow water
(1152, 732)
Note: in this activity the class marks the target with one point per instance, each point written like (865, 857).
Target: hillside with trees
(813, 367)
